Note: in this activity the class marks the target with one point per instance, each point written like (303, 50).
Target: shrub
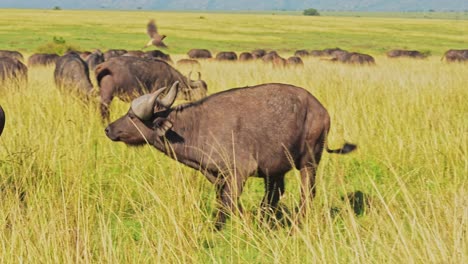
(311, 12)
(58, 45)
(56, 8)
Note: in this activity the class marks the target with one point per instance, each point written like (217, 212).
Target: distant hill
(338, 5)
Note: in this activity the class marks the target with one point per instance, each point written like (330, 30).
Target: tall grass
(69, 194)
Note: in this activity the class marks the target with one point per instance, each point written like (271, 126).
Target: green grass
(26, 30)
(88, 199)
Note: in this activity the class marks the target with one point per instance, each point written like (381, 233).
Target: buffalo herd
(219, 135)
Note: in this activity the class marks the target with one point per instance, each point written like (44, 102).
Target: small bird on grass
(156, 39)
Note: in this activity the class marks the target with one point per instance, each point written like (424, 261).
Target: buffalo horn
(189, 75)
(199, 76)
(143, 106)
(170, 97)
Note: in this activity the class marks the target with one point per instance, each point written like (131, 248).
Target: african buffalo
(262, 130)
(84, 55)
(334, 52)
(94, 59)
(2, 120)
(317, 53)
(295, 61)
(199, 54)
(246, 56)
(135, 53)
(157, 54)
(129, 77)
(456, 55)
(42, 59)
(12, 54)
(353, 58)
(12, 69)
(258, 53)
(226, 55)
(72, 74)
(275, 59)
(188, 62)
(405, 53)
(113, 53)
(301, 53)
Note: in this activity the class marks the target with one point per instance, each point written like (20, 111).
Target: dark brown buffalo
(84, 55)
(453, 55)
(353, 58)
(317, 53)
(258, 53)
(295, 61)
(157, 54)
(405, 53)
(199, 54)
(334, 52)
(2, 120)
(135, 53)
(188, 62)
(12, 54)
(301, 53)
(113, 53)
(42, 59)
(275, 59)
(130, 77)
(226, 55)
(12, 69)
(246, 56)
(264, 130)
(270, 56)
(72, 74)
(94, 59)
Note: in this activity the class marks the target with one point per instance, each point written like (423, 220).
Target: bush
(311, 12)
(58, 45)
(56, 8)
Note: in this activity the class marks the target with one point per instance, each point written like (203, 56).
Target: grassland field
(70, 195)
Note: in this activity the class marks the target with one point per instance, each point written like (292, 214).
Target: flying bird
(152, 32)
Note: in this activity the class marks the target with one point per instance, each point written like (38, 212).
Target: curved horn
(189, 75)
(199, 76)
(170, 97)
(143, 105)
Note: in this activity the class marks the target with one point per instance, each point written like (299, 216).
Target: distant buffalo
(456, 55)
(353, 58)
(264, 131)
(246, 56)
(301, 53)
(135, 53)
(94, 59)
(113, 53)
(226, 55)
(72, 74)
(199, 54)
(317, 53)
(270, 56)
(258, 53)
(12, 69)
(42, 59)
(334, 52)
(129, 77)
(2, 120)
(157, 54)
(12, 54)
(405, 53)
(188, 62)
(295, 61)
(275, 59)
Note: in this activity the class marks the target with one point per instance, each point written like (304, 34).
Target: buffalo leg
(227, 194)
(107, 94)
(274, 188)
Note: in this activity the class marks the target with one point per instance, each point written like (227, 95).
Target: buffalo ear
(161, 126)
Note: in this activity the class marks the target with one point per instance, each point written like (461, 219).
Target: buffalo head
(146, 120)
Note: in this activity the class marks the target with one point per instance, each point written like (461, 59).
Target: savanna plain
(69, 194)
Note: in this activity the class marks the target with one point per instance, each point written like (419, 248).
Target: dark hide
(258, 53)
(72, 74)
(226, 55)
(353, 58)
(199, 54)
(2, 120)
(456, 55)
(295, 61)
(12, 69)
(130, 77)
(94, 59)
(42, 59)
(246, 56)
(405, 53)
(264, 130)
(12, 54)
(301, 53)
(157, 54)
(113, 53)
